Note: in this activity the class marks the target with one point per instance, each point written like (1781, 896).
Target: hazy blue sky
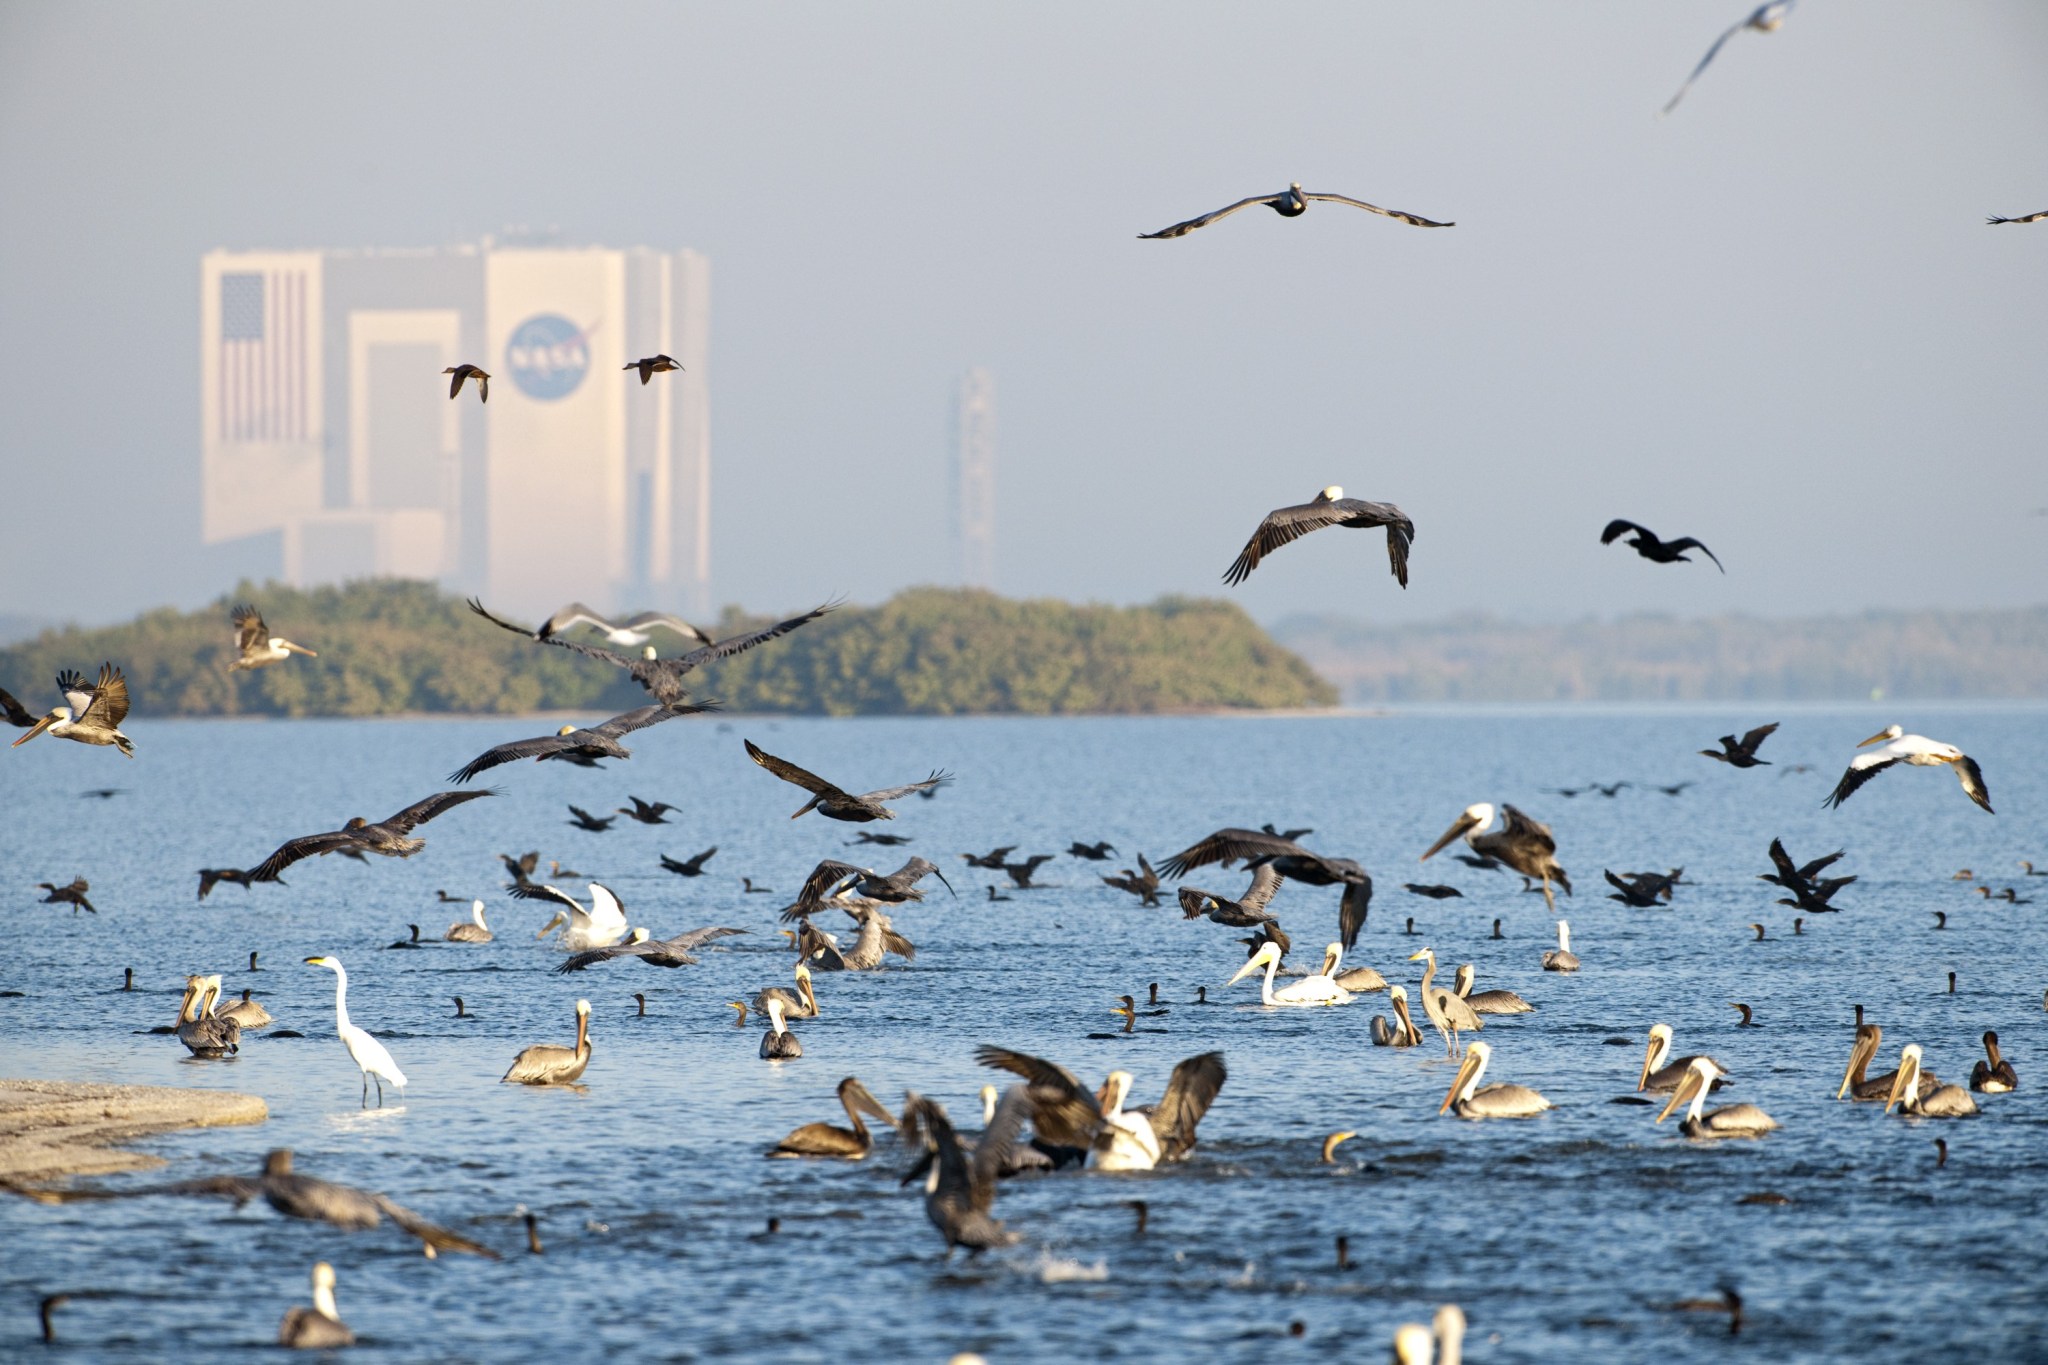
(1775, 320)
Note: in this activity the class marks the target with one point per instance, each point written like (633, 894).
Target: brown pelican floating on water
(1649, 547)
(1995, 1075)
(467, 371)
(1663, 1072)
(1912, 1097)
(1917, 751)
(960, 1187)
(1327, 508)
(1144, 883)
(320, 1327)
(1765, 18)
(602, 925)
(1447, 1011)
(833, 803)
(550, 1064)
(1310, 990)
(1065, 1114)
(663, 678)
(1561, 958)
(778, 1043)
(688, 867)
(370, 1056)
(597, 739)
(1856, 1086)
(647, 812)
(256, 647)
(1735, 1120)
(803, 1004)
(72, 895)
(471, 930)
(1268, 848)
(1521, 843)
(391, 838)
(1487, 1002)
(202, 1034)
(650, 366)
(655, 952)
(1402, 1032)
(1291, 202)
(294, 1196)
(93, 714)
(847, 1144)
(1469, 1100)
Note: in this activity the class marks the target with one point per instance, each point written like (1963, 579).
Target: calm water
(1558, 1236)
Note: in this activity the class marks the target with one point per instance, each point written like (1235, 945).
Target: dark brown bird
(210, 877)
(1291, 202)
(688, 867)
(1144, 883)
(598, 739)
(390, 838)
(650, 366)
(2025, 218)
(596, 824)
(1742, 753)
(465, 372)
(1649, 547)
(647, 812)
(1327, 508)
(72, 895)
(1291, 861)
(834, 803)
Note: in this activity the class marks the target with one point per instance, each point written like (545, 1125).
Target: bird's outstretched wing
(1183, 229)
(1684, 543)
(1412, 219)
(419, 812)
(1761, 733)
(293, 850)
(1860, 770)
(17, 714)
(241, 1189)
(824, 879)
(249, 628)
(105, 701)
(511, 752)
(1062, 1111)
(1265, 881)
(1227, 846)
(1619, 528)
(576, 962)
(1972, 778)
(656, 620)
(936, 780)
(1351, 911)
(1763, 18)
(1519, 824)
(2028, 218)
(1189, 1093)
(531, 891)
(640, 717)
(789, 772)
(434, 1236)
(746, 640)
(1283, 526)
(1400, 538)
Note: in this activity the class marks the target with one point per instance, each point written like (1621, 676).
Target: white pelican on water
(1736, 1120)
(602, 925)
(1917, 750)
(94, 714)
(1310, 990)
(369, 1055)
(1561, 958)
(1468, 1101)
(1946, 1102)
(1523, 844)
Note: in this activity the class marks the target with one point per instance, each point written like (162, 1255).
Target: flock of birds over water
(1043, 1121)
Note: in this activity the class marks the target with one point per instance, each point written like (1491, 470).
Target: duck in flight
(1656, 551)
(1328, 508)
(466, 372)
(1917, 751)
(1765, 18)
(650, 366)
(1291, 202)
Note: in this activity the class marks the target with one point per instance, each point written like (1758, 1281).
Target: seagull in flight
(1766, 18)
(1291, 202)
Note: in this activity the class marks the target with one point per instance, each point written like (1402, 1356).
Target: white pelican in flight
(1736, 1120)
(602, 925)
(1765, 18)
(1468, 1101)
(1523, 844)
(369, 1055)
(1310, 990)
(1946, 1102)
(1917, 750)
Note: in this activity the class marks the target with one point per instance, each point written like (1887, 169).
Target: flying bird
(93, 714)
(1649, 547)
(1291, 202)
(464, 372)
(598, 739)
(17, 714)
(255, 646)
(72, 895)
(632, 632)
(655, 952)
(2028, 218)
(650, 366)
(1291, 861)
(663, 678)
(833, 803)
(210, 877)
(1144, 884)
(688, 867)
(583, 819)
(1742, 753)
(1327, 508)
(647, 812)
(1916, 750)
(1521, 843)
(392, 837)
(1766, 18)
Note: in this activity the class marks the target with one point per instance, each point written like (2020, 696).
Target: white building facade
(326, 421)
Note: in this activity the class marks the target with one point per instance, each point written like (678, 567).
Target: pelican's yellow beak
(1878, 738)
(1687, 1088)
(1331, 1143)
(1904, 1081)
(1417, 957)
(45, 723)
(1453, 832)
(1649, 1055)
(316, 962)
(1465, 1070)
(297, 649)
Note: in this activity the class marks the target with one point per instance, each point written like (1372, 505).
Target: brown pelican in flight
(1290, 860)
(550, 1063)
(2024, 218)
(1656, 551)
(391, 837)
(833, 803)
(1661, 1071)
(72, 894)
(663, 678)
(1765, 18)
(1065, 1114)
(1246, 912)
(1917, 750)
(1940, 1102)
(655, 952)
(1327, 508)
(1469, 1100)
(1994, 1075)
(94, 712)
(320, 1327)
(1741, 753)
(294, 1196)
(650, 366)
(256, 647)
(1291, 202)
(847, 1144)
(597, 739)
(1736, 1120)
(832, 879)
(465, 372)
(1523, 844)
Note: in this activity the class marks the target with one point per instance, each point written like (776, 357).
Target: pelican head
(278, 642)
(566, 730)
(1474, 821)
(1868, 1036)
(1695, 1083)
(1334, 491)
(549, 927)
(1333, 957)
(58, 716)
(1269, 952)
(639, 935)
(988, 1104)
(320, 962)
(1906, 1081)
(647, 653)
(323, 1292)
(1118, 1085)
(1660, 1048)
(1469, 1072)
(1884, 736)
(1413, 1344)
(1564, 936)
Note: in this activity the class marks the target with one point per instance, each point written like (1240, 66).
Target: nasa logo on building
(548, 356)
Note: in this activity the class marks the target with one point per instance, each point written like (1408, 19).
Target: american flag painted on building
(263, 369)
